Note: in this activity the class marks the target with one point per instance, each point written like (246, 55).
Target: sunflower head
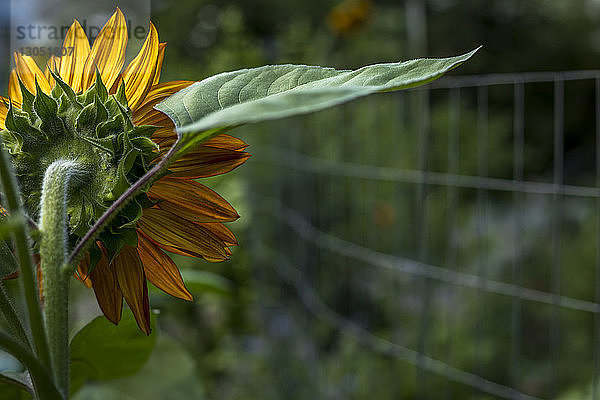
(88, 109)
(91, 127)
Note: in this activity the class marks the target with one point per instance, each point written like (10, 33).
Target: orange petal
(222, 232)
(28, 71)
(159, 62)
(181, 236)
(155, 95)
(227, 142)
(139, 74)
(106, 288)
(132, 282)
(81, 274)
(191, 200)
(76, 50)
(107, 53)
(161, 270)
(14, 89)
(206, 161)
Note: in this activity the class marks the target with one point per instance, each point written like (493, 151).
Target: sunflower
(177, 214)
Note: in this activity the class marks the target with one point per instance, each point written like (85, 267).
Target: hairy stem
(12, 318)
(22, 249)
(53, 253)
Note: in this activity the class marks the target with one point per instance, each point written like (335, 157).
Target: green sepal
(144, 145)
(115, 240)
(91, 115)
(126, 116)
(16, 122)
(101, 111)
(45, 106)
(144, 130)
(111, 127)
(66, 89)
(95, 256)
(86, 117)
(28, 99)
(121, 96)
(106, 144)
(130, 215)
(100, 88)
(125, 165)
(12, 141)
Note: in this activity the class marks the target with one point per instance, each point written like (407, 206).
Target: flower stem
(20, 237)
(53, 254)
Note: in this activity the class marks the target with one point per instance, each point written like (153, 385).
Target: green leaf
(8, 263)
(278, 91)
(18, 379)
(170, 373)
(102, 351)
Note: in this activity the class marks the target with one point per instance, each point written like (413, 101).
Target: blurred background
(439, 243)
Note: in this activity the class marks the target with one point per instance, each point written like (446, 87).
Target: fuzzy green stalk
(20, 237)
(53, 253)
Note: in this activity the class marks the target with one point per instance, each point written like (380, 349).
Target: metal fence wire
(440, 243)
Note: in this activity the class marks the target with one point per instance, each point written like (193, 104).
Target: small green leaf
(8, 263)
(101, 350)
(20, 380)
(278, 91)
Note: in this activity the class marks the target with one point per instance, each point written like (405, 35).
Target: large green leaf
(277, 91)
(169, 374)
(101, 350)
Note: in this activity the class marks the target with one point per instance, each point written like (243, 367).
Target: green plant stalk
(20, 237)
(12, 318)
(53, 254)
(42, 381)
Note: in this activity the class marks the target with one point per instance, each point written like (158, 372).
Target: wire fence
(441, 243)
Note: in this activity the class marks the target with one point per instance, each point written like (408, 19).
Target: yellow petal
(139, 74)
(161, 270)
(28, 71)
(173, 233)
(191, 200)
(107, 53)
(3, 111)
(52, 63)
(14, 90)
(161, 56)
(76, 49)
(106, 288)
(132, 282)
